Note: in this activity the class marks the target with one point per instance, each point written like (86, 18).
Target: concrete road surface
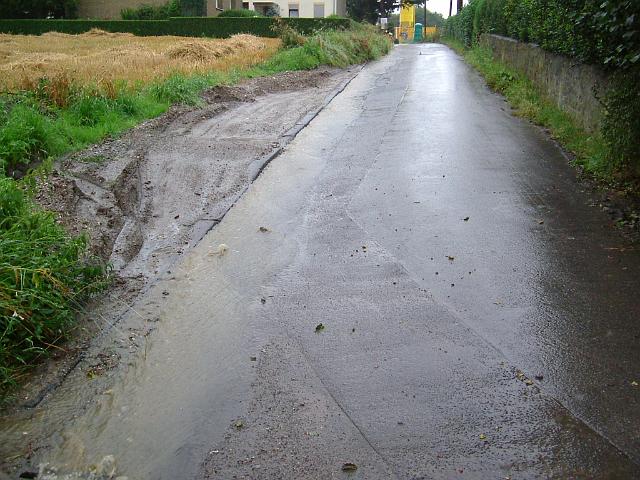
(432, 296)
(481, 318)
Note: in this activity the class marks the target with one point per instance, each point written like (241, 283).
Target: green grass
(45, 274)
(360, 44)
(590, 149)
(42, 124)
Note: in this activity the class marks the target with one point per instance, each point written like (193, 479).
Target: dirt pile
(145, 198)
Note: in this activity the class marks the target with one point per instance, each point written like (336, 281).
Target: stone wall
(570, 85)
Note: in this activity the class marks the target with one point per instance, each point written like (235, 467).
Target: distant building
(300, 8)
(101, 9)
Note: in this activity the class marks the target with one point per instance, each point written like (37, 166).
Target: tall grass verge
(590, 149)
(44, 275)
(335, 48)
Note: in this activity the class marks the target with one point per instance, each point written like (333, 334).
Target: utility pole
(460, 2)
(424, 18)
(450, 7)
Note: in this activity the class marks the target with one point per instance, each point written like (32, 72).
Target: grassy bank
(590, 150)
(53, 107)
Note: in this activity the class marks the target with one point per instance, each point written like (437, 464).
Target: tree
(460, 2)
(363, 10)
(38, 8)
(370, 10)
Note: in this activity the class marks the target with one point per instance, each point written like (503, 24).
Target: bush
(290, 36)
(149, 12)
(241, 12)
(26, 137)
(621, 125)
(193, 8)
(605, 32)
(44, 276)
(38, 8)
(335, 48)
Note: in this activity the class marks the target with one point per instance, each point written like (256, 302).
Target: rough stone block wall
(110, 10)
(570, 85)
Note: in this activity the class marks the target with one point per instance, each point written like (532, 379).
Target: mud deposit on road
(145, 199)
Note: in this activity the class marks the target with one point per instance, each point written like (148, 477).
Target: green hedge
(183, 26)
(38, 27)
(605, 32)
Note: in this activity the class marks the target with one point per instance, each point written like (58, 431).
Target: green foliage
(336, 48)
(621, 126)
(289, 36)
(38, 27)
(363, 10)
(150, 12)
(596, 31)
(241, 12)
(27, 136)
(44, 277)
(194, 8)
(259, 26)
(609, 32)
(38, 8)
(184, 90)
(32, 129)
(215, 27)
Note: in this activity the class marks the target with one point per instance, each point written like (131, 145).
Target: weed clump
(44, 277)
(336, 48)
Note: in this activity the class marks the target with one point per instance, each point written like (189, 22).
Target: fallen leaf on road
(319, 327)
(450, 258)
(483, 436)
(239, 424)
(263, 229)
(466, 219)
(349, 467)
(540, 222)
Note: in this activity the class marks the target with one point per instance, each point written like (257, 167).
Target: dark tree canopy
(38, 8)
(370, 10)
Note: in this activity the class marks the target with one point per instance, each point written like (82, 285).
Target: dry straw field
(102, 57)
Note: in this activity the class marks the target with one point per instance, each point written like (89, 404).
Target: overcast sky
(442, 6)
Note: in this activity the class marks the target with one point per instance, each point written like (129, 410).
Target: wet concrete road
(481, 319)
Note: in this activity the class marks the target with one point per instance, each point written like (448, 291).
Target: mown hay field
(99, 57)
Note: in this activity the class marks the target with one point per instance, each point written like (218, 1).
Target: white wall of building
(306, 8)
